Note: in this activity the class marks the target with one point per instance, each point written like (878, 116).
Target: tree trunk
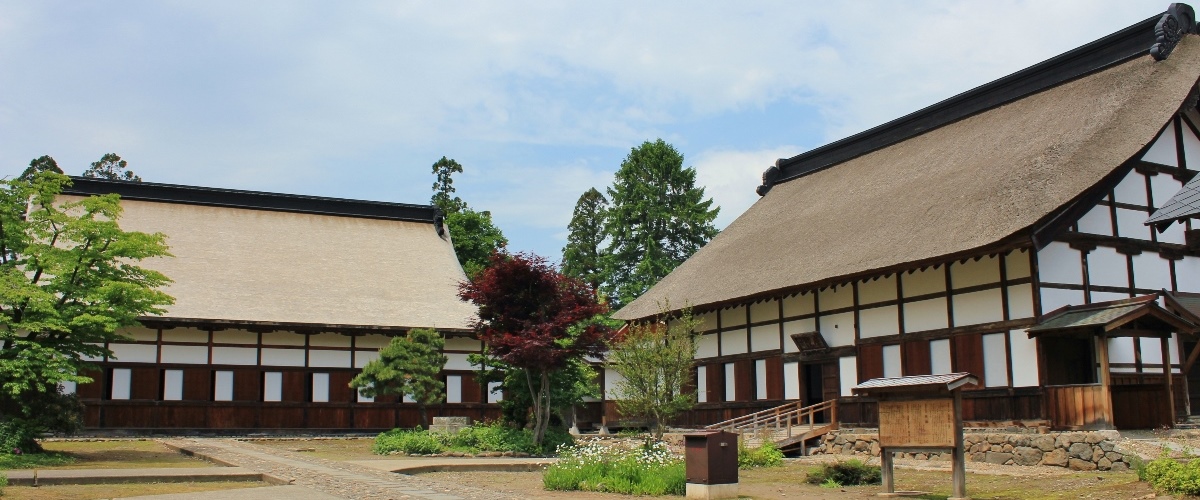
(424, 417)
(544, 417)
(535, 395)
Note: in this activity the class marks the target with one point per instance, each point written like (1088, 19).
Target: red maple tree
(535, 318)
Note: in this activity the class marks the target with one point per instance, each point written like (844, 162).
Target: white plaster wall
(1174, 233)
(1106, 267)
(172, 385)
(1187, 273)
(848, 373)
(798, 326)
(1162, 151)
(879, 290)
(733, 342)
(329, 359)
(995, 360)
(141, 334)
(463, 344)
(372, 341)
(837, 329)
(706, 346)
(971, 273)
(939, 357)
(1131, 224)
(611, 380)
(135, 353)
(191, 354)
(458, 361)
(708, 321)
(1151, 354)
(734, 316)
(879, 321)
(185, 335)
(1054, 298)
(273, 386)
(797, 305)
(925, 281)
(283, 357)
(223, 386)
(1059, 263)
(1107, 296)
(1016, 264)
(234, 337)
(320, 387)
(760, 378)
(835, 297)
(929, 314)
(1024, 359)
(1020, 301)
(1191, 148)
(235, 356)
(120, 383)
(495, 395)
(1151, 271)
(891, 361)
(984, 306)
(765, 337)
(453, 388)
(361, 358)
(1097, 221)
(1164, 187)
(791, 381)
(282, 338)
(1132, 190)
(1120, 350)
(730, 383)
(329, 340)
(764, 311)
(67, 387)
(701, 384)
(92, 358)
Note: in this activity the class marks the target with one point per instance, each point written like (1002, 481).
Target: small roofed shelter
(1079, 393)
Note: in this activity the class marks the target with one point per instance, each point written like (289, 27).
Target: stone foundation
(1091, 450)
(449, 425)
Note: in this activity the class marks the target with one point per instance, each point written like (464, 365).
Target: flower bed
(615, 467)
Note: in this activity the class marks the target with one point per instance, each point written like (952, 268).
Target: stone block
(1119, 467)
(1077, 464)
(1044, 443)
(710, 491)
(1097, 454)
(1107, 446)
(1080, 450)
(995, 457)
(1057, 457)
(1007, 448)
(1104, 464)
(1027, 455)
(995, 439)
(1113, 456)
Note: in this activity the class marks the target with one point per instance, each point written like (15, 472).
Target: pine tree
(474, 234)
(443, 186)
(582, 257)
(40, 164)
(111, 167)
(658, 219)
(408, 366)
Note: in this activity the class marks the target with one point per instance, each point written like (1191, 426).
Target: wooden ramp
(789, 426)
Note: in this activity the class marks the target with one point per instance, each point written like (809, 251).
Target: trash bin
(711, 465)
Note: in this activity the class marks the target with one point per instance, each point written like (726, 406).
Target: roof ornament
(769, 177)
(1178, 20)
(439, 222)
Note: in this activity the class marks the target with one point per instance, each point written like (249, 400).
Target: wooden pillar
(1105, 381)
(1167, 376)
(885, 460)
(958, 454)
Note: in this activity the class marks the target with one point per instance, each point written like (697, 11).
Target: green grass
(35, 460)
(116, 454)
(474, 439)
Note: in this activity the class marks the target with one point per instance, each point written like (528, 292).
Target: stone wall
(1095, 450)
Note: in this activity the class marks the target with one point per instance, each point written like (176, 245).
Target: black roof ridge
(1128, 43)
(252, 200)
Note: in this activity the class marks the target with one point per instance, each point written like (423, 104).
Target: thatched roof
(963, 186)
(254, 258)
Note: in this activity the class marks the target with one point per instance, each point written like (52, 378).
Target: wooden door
(1193, 380)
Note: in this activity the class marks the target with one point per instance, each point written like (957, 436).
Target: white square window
(272, 386)
(172, 385)
(120, 383)
(320, 387)
(223, 386)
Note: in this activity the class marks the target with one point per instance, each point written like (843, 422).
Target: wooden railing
(785, 422)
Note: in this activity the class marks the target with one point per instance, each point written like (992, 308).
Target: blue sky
(538, 100)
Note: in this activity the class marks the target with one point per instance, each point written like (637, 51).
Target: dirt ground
(120, 454)
(92, 491)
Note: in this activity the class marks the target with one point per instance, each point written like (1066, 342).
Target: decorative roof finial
(769, 177)
(1178, 20)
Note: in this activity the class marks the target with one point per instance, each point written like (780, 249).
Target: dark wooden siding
(870, 362)
(197, 384)
(715, 378)
(915, 357)
(775, 378)
(967, 355)
(745, 382)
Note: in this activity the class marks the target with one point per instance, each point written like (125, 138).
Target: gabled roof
(1185, 204)
(962, 187)
(941, 384)
(1111, 318)
(247, 259)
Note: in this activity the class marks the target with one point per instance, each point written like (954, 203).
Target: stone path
(340, 479)
(265, 493)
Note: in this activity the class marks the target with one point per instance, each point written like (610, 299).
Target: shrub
(1170, 475)
(649, 469)
(18, 436)
(3, 482)
(848, 473)
(34, 460)
(766, 455)
(412, 441)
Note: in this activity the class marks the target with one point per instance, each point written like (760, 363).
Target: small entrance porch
(1078, 388)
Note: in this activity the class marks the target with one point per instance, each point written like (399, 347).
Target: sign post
(920, 414)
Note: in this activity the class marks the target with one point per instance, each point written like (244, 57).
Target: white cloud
(730, 177)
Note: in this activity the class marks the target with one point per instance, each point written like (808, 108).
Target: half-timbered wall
(232, 378)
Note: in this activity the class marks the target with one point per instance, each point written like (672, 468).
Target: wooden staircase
(789, 426)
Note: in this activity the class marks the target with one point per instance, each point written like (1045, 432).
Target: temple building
(1035, 231)
(280, 300)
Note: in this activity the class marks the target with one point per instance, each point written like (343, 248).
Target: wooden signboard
(919, 423)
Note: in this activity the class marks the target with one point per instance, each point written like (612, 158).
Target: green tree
(111, 167)
(40, 164)
(408, 366)
(583, 255)
(70, 280)
(568, 387)
(443, 186)
(658, 219)
(655, 360)
(475, 239)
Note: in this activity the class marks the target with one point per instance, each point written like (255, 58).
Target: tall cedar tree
(408, 366)
(536, 319)
(40, 164)
(655, 363)
(582, 257)
(71, 278)
(657, 220)
(474, 235)
(111, 167)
